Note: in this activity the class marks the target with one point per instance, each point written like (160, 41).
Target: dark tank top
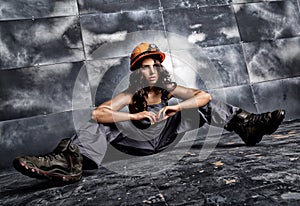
(146, 139)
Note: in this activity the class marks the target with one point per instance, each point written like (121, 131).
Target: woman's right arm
(108, 112)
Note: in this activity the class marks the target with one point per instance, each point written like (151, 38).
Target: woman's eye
(148, 67)
(145, 67)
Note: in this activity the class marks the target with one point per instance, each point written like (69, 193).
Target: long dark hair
(138, 86)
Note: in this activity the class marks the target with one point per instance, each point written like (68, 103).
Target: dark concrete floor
(233, 174)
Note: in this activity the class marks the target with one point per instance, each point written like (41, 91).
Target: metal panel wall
(59, 58)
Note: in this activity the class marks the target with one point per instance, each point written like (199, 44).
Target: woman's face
(149, 70)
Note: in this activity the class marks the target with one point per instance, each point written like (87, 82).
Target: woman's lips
(152, 78)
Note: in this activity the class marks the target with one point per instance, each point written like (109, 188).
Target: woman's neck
(154, 96)
(152, 89)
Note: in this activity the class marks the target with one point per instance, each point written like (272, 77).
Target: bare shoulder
(119, 101)
(123, 97)
(184, 92)
(181, 89)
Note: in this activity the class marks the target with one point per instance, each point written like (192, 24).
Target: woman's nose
(151, 70)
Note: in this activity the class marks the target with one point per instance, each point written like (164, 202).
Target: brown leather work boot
(64, 163)
(252, 127)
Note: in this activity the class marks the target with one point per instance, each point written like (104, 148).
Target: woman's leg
(216, 113)
(92, 143)
(250, 127)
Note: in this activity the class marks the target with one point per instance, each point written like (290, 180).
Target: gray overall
(93, 138)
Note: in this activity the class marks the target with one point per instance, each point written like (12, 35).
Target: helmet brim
(159, 55)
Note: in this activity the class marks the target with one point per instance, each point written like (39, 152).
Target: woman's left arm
(192, 98)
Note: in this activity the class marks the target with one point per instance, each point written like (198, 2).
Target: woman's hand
(144, 114)
(167, 111)
(163, 114)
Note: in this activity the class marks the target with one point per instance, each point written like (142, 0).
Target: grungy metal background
(59, 58)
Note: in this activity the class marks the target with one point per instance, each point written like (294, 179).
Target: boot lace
(259, 119)
(51, 156)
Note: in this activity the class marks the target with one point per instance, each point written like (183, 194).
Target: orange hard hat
(144, 50)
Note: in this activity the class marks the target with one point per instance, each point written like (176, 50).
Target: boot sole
(41, 174)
